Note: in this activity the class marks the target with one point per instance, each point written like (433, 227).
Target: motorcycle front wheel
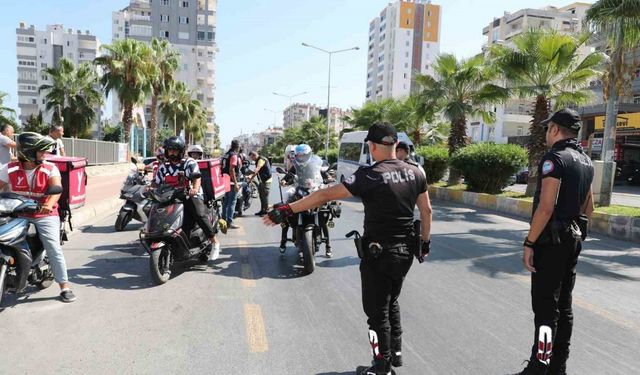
(308, 249)
(160, 266)
(124, 217)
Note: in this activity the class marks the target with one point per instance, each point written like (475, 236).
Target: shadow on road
(264, 262)
(337, 373)
(131, 227)
(12, 300)
(113, 272)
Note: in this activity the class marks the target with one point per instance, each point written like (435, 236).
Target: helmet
(195, 149)
(303, 153)
(30, 143)
(160, 154)
(174, 143)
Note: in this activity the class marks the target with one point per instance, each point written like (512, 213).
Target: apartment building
(40, 49)
(404, 40)
(337, 119)
(297, 113)
(190, 26)
(513, 118)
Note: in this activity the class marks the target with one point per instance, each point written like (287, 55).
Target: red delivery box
(214, 184)
(74, 180)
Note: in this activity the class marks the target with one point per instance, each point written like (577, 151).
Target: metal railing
(96, 152)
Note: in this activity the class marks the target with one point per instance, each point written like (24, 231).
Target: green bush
(332, 155)
(487, 167)
(436, 161)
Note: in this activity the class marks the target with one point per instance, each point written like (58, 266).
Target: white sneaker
(215, 252)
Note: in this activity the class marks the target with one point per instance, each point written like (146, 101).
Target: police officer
(389, 190)
(561, 206)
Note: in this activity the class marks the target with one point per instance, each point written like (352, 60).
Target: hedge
(487, 167)
(332, 155)
(436, 162)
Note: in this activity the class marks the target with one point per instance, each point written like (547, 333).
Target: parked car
(522, 177)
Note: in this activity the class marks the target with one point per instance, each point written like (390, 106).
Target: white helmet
(195, 148)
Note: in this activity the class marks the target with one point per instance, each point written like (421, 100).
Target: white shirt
(59, 145)
(5, 150)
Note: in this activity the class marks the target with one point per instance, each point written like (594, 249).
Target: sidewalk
(623, 195)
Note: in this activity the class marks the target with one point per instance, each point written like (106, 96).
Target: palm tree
(72, 96)
(6, 113)
(126, 68)
(165, 65)
(546, 65)
(371, 112)
(196, 128)
(177, 106)
(463, 90)
(617, 21)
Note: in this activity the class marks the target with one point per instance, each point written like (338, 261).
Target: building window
(183, 35)
(428, 13)
(210, 35)
(408, 22)
(117, 22)
(70, 55)
(408, 10)
(406, 54)
(406, 65)
(200, 35)
(636, 99)
(520, 131)
(26, 63)
(34, 101)
(164, 34)
(184, 20)
(408, 32)
(199, 53)
(68, 43)
(428, 23)
(164, 18)
(185, 66)
(44, 41)
(407, 43)
(184, 4)
(164, 2)
(404, 75)
(44, 77)
(43, 65)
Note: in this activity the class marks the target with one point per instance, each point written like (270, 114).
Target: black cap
(565, 117)
(403, 146)
(382, 133)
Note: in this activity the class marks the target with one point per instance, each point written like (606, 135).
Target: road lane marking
(256, 332)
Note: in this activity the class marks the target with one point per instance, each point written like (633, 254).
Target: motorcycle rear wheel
(124, 217)
(160, 266)
(308, 249)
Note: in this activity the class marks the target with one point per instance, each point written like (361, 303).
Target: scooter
(137, 206)
(247, 192)
(22, 258)
(164, 238)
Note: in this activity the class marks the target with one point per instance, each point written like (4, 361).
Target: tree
(196, 127)
(311, 132)
(166, 64)
(546, 65)
(35, 124)
(370, 113)
(164, 132)
(617, 21)
(177, 106)
(6, 114)
(72, 96)
(463, 90)
(126, 70)
(112, 133)
(216, 136)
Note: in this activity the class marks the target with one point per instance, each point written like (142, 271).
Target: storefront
(627, 147)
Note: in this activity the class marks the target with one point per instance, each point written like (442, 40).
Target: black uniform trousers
(382, 280)
(195, 210)
(551, 288)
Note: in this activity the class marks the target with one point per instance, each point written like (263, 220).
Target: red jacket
(20, 186)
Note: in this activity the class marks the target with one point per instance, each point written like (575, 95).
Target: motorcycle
(137, 206)
(311, 227)
(164, 238)
(23, 260)
(247, 192)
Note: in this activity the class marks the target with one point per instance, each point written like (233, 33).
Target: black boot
(534, 367)
(380, 367)
(396, 359)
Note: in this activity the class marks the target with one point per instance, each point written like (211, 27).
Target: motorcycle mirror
(54, 189)
(280, 170)
(134, 160)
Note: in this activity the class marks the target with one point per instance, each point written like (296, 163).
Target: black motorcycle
(22, 258)
(311, 227)
(247, 191)
(163, 235)
(137, 205)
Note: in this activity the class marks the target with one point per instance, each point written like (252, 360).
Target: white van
(354, 153)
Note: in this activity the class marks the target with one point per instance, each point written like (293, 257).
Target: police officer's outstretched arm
(313, 200)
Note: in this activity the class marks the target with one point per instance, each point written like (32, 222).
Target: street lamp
(274, 115)
(290, 98)
(330, 53)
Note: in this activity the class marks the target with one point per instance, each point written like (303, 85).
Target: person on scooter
(159, 160)
(195, 152)
(30, 177)
(169, 173)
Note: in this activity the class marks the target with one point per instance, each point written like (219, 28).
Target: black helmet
(30, 143)
(174, 143)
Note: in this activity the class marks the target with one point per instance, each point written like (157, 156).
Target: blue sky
(260, 50)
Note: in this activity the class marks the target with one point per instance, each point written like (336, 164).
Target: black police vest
(265, 171)
(226, 163)
(576, 179)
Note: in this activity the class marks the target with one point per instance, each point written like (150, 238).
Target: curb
(89, 214)
(620, 227)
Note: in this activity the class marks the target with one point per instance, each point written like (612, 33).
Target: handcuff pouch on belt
(556, 230)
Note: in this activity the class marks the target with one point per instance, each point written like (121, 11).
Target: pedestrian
(56, 132)
(6, 143)
(231, 166)
(389, 190)
(403, 151)
(561, 207)
(263, 171)
(170, 172)
(31, 176)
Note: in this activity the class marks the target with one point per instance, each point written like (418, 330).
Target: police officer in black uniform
(390, 190)
(561, 207)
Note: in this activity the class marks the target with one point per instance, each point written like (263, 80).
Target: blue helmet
(303, 153)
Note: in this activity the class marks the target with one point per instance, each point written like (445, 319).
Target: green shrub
(332, 155)
(436, 161)
(487, 167)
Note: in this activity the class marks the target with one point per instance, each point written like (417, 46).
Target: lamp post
(290, 97)
(330, 53)
(274, 115)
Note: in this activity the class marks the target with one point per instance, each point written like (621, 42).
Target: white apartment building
(40, 49)
(190, 27)
(336, 119)
(297, 113)
(404, 40)
(513, 118)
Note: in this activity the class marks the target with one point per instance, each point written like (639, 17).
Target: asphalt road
(466, 311)
(623, 195)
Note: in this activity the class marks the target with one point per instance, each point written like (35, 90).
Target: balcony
(139, 17)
